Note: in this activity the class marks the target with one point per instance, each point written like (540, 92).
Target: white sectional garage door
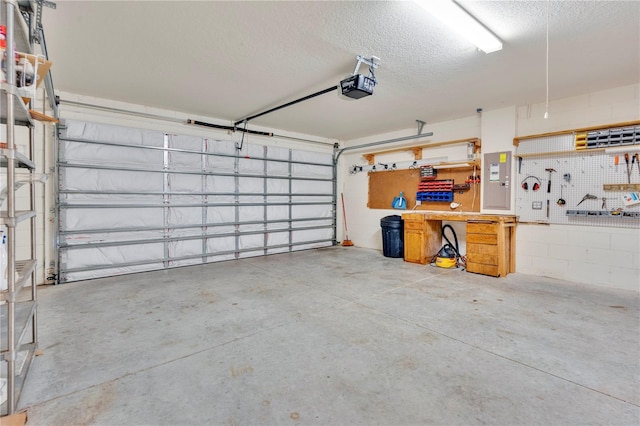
(135, 200)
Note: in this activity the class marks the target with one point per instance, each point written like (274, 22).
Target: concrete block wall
(603, 256)
(608, 257)
(615, 105)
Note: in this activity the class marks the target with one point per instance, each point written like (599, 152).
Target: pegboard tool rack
(598, 170)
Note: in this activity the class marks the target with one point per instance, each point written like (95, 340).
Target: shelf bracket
(371, 158)
(417, 153)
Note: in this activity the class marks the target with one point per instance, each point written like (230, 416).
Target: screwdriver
(626, 160)
(616, 160)
(637, 160)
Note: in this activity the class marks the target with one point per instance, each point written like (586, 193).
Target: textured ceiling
(233, 59)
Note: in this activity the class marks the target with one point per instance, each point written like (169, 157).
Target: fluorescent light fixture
(466, 25)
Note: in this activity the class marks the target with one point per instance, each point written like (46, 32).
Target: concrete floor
(334, 336)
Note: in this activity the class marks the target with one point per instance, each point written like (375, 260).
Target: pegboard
(385, 185)
(577, 173)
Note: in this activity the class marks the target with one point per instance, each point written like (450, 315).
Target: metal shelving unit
(18, 304)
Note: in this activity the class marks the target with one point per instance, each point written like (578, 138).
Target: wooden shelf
(417, 150)
(446, 165)
(42, 117)
(517, 139)
(621, 187)
(549, 154)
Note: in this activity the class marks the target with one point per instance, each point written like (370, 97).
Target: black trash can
(392, 236)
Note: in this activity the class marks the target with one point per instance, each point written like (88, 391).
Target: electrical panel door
(497, 180)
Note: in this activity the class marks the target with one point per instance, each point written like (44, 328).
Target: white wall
(496, 134)
(600, 256)
(364, 223)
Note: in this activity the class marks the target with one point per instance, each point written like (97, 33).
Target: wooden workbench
(490, 240)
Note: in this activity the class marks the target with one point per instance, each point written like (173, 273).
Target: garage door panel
(98, 257)
(226, 214)
(92, 219)
(134, 199)
(184, 216)
(185, 183)
(110, 180)
(220, 184)
(77, 129)
(251, 213)
(103, 154)
(277, 186)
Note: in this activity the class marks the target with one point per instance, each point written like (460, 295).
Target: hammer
(550, 170)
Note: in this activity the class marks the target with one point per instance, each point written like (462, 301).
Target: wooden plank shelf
(417, 150)
(621, 187)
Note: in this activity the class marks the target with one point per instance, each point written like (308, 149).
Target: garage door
(134, 200)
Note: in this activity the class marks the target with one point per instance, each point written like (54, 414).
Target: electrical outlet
(536, 205)
(418, 203)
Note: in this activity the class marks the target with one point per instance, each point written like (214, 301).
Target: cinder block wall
(602, 256)
(607, 257)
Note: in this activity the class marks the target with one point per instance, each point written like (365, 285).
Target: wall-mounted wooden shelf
(42, 117)
(517, 139)
(548, 154)
(417, 150)
(621, 187)
(457, 164)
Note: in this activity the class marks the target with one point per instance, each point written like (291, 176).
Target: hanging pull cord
(546, 105)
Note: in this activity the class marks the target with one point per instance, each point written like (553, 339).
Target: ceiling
(233, 59)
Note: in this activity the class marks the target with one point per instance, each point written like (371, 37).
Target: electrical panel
(497, 180)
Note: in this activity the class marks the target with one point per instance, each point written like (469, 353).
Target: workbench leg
(512, 249)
